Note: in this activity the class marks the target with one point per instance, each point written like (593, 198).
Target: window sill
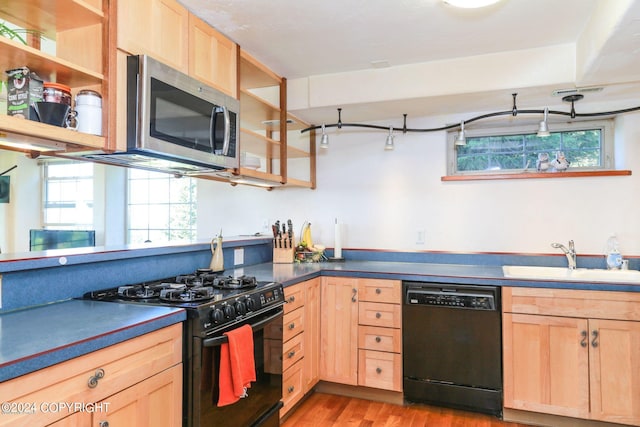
(535, 175)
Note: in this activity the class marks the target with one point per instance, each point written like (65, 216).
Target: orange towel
(237, 365)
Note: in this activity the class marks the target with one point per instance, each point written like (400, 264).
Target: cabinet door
(158, 28)
(155, 401)
(213, 58)
(339, 330)
(311, 360)
(546, 364)
(615, 371)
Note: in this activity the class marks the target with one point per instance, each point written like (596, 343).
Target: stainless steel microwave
(175, 123)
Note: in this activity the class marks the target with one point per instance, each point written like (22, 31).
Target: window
(161, 207)
(586, 145)
(68, 195)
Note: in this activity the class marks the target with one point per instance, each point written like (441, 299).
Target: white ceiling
(303, 38)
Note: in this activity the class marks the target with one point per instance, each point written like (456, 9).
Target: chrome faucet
(569, 253)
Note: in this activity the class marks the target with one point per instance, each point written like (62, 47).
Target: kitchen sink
(562, 274)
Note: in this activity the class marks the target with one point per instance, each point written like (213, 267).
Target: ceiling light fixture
(461, 140)
(514, 112)
(543, 128)
(324, 140)
(470, 4)
(388, 146)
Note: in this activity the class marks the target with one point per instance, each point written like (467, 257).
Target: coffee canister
(56, 92)
(89, 112)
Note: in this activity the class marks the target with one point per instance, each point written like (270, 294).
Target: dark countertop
(42, 336)
(38, 337)
(289, 274)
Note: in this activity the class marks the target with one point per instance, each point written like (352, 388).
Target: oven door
(261, 407)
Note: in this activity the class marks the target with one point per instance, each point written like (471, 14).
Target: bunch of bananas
(305, 240)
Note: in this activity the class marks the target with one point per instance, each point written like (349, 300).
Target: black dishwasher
(452, 346)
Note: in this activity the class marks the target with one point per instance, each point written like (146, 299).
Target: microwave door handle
(216, 341)
(227, 129)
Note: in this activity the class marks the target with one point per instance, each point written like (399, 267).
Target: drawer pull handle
(378, 339)
(584, 335)
(378, 315)
(292, 326)
(93, 381)
(353, 297)
(378, 291)
(291, 354)
(594, 342)
(291, 389)
(378, 370)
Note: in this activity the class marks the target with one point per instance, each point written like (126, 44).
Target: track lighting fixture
(389, 144)
(461, 140)
(324, 142)
(543, 128)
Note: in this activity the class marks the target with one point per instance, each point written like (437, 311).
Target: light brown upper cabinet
(78, 32)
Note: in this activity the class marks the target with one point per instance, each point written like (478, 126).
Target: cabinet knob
(291, 354)
(292, 326)
(291, 389)
(104, 424)
(93, 380)
(292, 298)
(378, 339)
(378, 315)
(378, 291)
(378, 370)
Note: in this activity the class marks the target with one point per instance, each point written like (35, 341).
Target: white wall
(385, 198)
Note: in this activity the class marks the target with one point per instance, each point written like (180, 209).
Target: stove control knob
(251, 304)
(217, 315)
(229, 312)
(241, 308)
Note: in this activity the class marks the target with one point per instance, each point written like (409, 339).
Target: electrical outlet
(420, 237)
(238, 256)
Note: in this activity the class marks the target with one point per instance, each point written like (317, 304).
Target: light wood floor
(326, 410)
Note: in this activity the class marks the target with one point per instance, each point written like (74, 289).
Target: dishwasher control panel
(469, 300)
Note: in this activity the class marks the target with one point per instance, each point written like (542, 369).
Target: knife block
(284, 254)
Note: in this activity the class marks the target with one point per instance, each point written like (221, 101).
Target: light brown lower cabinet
(361, 332)
(572, 353)
(135, 383)
(300, 335)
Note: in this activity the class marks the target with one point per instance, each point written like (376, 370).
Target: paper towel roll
(337, 241)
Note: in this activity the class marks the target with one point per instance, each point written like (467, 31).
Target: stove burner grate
(187, 294)
(241, 282)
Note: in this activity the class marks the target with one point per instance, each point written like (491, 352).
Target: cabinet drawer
(112, 369)
(380, 290)
(294, 296)
(572, 303)
(292, 351)
(380, 339)
(379, 369)
(378, 314)
(292, 324)
(291, 387)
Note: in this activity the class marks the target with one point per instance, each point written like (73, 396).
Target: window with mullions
(586, 145)
(68, 195)
(161, 207)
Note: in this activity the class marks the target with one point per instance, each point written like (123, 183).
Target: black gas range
(216, 304)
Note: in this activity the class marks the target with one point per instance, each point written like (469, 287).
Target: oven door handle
(213, 342)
